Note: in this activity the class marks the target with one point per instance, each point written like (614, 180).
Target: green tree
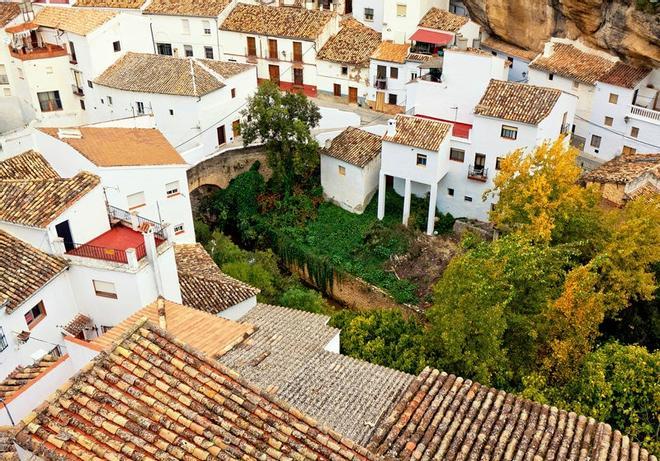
(303, 299)
(282, 121)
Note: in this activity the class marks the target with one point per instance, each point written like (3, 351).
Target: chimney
(391, 127)
(162, 320)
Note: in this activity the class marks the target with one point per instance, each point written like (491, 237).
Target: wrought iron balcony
(478, 173)
(380, 84)
(77, 90)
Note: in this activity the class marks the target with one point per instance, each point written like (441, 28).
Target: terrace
(27, 44)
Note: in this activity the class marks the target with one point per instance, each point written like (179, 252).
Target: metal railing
(95, 252)
(477, 172)
(380, 84)
(77, 90)
(125, 216)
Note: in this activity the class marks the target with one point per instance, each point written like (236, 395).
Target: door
(352, 94)
(236, 128)
(348, 7)
(297, 51)
(380, 101)
(222, 137)
(274, 73)
(337, 89)
(272, 49)
(479, 163)
(298, 77)
(251, 46)
(63, 230)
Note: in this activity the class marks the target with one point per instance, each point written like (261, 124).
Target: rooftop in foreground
(626, 168)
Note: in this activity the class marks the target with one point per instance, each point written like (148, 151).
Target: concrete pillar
(152, 255)
(134, 220)
(382, 186)
(58, 246)
(432, 206)
(131, 258)
(406, 202)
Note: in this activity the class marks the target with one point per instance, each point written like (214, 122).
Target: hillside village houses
(518, 58)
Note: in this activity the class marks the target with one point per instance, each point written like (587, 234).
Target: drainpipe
(152, 255)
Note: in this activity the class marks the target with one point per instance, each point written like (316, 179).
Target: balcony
(644, 113)
(478, 173)
(380, 84)
(77, 90)
(4, 80)
(565, 128)
(48, 50)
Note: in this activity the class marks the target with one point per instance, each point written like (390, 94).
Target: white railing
(646, 113)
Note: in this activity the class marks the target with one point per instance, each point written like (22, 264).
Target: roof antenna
(192, 73)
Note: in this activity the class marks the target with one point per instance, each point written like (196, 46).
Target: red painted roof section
(460, 130)
(429, 36)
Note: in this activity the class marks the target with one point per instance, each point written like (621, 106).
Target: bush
(202, 232)
(303, 299)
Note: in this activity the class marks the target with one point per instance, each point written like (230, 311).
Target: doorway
(222, 136)
(337, 90)
(352, 94)
(274, 73)
(380, 101)
(63, 231)
(479, 163)
(236, 128)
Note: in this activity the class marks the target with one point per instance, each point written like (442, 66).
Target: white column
(382, 185)
(131, 258)
(152, 255)
(432, 205)
(406, 202)
(135, 223)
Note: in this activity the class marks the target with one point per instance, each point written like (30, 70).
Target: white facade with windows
(370, 13)
(401, 17)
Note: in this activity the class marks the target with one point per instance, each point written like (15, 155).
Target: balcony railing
(106, 254)
(77, 90)
(48, 50)
(126, 217)
(477, 173)
(380, 84)
(646, 113)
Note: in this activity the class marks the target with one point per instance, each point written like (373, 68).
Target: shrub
(303, 299)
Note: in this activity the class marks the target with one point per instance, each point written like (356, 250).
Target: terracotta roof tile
(419, 132)
(154, 397)
(570, 62)
(355, 146)
(110, 147)
(203, 285)
(518, 102)
(508, 48)
(74, 20)
(37, 203)
(24, 375)
(77, 325)
(625, 168)
(391, 52)
(354, 44)
(28, 165)
(8, 11)
(7, 448)
(446, 417)
(120, 4)
(288, 22)
(225, 69)
(207, 8)
(438, 19)
(624, 75)
(645, 190)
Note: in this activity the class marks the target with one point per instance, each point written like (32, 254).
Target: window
(90, 84)
(457, 155)
(178, 229)
(35, 315)
(251, 47)
(421, 159)
(576, 85)
(401, 10)
(82, 104)
(342, 170)
(627, 150)
(344, 70)
(110, 100)
(3, 340)
(208, 52)
(72, 53)
(394, 72)
(450, 192)
(49, 101)
(391, 98)
(171, 111)
(509, 132)
(508, 58)
(467, 198)
(297, 52)
(140, 107)
(135, 200)
(413, 76)
(185, 26)
(272, 48)
(164, 49)
(172, 188)
(551, 76)
(634, 132)
(595, 141)
(609, 121)
(233, 93)
(188, 51)
(614, 98)
(207, 27)
(116, 46)
(104, 289)
(498, 163)
(368, 14)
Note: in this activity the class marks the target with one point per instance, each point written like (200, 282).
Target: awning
(429, 36)
(23, 27)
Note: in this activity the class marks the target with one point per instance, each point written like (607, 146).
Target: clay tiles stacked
(570, 62)
(154, 73)
(22, 376)
(203, 285)
(37, 203)
(153, 397)
(7, 447)
(443, 20)
(624, 75)
(110, 147)
(626, 168)
(391, 52)
(28, 165)
(518, 102)
(444, 417)
(419, 132)
(508, 49)
(24, 270)
(207, 8)
(354, 44)
(287, 22)
(207, 333)
(8, 11)
(74, 20)
(355, 146)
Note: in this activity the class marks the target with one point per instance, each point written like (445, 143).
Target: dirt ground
(424, 263)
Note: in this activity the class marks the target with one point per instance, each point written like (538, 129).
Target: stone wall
(219, 170)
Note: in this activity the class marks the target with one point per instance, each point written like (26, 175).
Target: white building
(195, 103)
(343, 62)
(10, 15)
(401, 17)
(282, 42)
(390, 70)
(370, 13)
(350, 168)
(440, 28)
(518, 58)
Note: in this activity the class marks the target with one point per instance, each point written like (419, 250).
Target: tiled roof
(77, 325)
(211, 335)
(23, 270)
(74, 20)
(355, 146)
(121, 4)
(625, 168)
(353, 44)
(419, 57)
(7, 448)
(438, 19)
(28, 165)
(207, 8)
(645, 190)
(288, 22)
(283, 342)
(8, 11)
(570, 62)
(225, 69)
(445, 417)
(346, 394)
(154, 73)
(110, 147)
(624, 75)
(203, 285)
(37, 203)
(508, 48)
(23, 375)
(469, 50)
(391, 52)
(419, 132)
(518, 102)
(153, 397)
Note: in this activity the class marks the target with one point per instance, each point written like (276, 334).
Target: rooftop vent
(69, 133)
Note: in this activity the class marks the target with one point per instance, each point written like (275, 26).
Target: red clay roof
(624, 75)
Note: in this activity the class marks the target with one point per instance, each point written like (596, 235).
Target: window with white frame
(104, 289)
(421, 159)
(3, 340)
(135, 200)
(35, 315)
(178, 229)
(188, 51)
(595, 141)
(457, 155)
(368, 14)
(208, 52)
(185, 26)
(207, 27)
(172, 188)
(509, 132)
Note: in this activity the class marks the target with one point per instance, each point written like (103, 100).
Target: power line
(615, 132)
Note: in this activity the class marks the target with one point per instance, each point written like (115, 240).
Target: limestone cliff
(615, 25)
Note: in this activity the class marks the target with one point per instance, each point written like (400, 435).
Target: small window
(72, 53)
(185, 26)
(509, 132)
(171, 111)
(342, 170)
(90, 84)
(609, 121)
(627, 150)
(208, 52)
(49, 101)
(413, 76)
(344, 70)
(457, 155)
(392, 99)
(110, 100)
(140, 107)
(233, 93)
(188, 51)
(508, 58)
(172, 188)
(116, 46)
(551, 76)
(421, 159)
(35, 315)
(394, 72)
(401, 10)
(82, 104)
(634, 132)
(368, 14)
(576, 85)
(614, 98)
(3, 340)
(450, 192)
(207, 27)
(498, 163)
(104, 289)
(164, 49)
(595, 141)
(467, 198)
(135, 200)
(178, 229)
